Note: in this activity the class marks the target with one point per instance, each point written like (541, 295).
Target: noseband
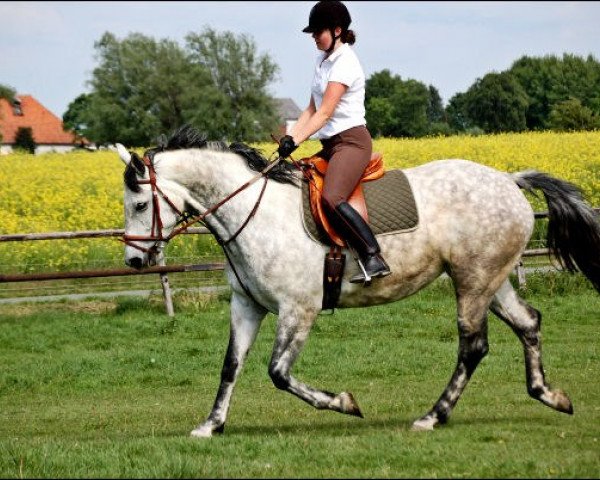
(156, 234)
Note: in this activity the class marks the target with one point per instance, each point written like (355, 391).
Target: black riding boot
(360, 237)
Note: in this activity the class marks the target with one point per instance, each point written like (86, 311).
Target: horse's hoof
(424, 424)
(203, 431)
(558, 400)
(345, 403)
(563, 403)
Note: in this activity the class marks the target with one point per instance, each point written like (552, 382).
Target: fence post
(522, 281)
(164, 280)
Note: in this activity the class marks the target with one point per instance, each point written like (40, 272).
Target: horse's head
(150, 215)
(154, 206)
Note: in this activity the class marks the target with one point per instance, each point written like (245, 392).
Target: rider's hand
(286, 146)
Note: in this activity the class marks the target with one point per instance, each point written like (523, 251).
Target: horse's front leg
(293, 327)
(246, 317)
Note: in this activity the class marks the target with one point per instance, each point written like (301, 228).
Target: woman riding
(336, 113)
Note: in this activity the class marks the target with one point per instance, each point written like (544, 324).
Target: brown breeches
(348, 154)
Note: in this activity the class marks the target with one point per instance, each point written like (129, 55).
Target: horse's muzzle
(135, 262)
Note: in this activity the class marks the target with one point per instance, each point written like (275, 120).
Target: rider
(336, 113)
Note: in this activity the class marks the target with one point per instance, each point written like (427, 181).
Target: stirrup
(366, 279)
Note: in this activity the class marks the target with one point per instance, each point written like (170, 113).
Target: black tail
(573, 227)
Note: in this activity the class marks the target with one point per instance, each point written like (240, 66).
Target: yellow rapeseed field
(571, 156)
(84, 190)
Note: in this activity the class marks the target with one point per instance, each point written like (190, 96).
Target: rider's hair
(349, 37)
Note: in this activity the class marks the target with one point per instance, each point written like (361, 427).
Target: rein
(157, 223)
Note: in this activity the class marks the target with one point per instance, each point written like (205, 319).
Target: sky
(47, 48)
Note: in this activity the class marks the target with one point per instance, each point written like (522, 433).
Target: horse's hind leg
(293, 328)
(246, 317)
(473, 346)
(525, 321)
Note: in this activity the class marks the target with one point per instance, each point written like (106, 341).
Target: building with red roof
(47, 129)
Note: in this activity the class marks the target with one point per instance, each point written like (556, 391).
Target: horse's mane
(188, 137)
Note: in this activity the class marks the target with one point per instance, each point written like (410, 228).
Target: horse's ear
(137, 163)
(123, 154)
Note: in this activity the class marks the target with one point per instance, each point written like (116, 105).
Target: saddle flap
(374, 169)
(318, 168)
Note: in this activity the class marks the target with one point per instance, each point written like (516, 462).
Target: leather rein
(156, 234)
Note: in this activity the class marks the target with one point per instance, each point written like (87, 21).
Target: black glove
(286, 146)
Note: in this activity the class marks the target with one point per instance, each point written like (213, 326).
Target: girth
(315, 167)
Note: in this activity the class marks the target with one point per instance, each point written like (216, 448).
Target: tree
(7, 92)
(144, 87)
(381, 85)
(549, 80)
(239, 80)
(402, 108)
(435, 107)
(24, 139)
(75, 117)
(411, 101)
(497, 103)
(456, 112)
(380, 112)
(379, 116)
(137, 90)
(571, 115)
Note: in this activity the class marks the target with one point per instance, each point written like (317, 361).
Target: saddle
(316, 167)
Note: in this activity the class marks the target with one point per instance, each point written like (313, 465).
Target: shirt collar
(337, 53)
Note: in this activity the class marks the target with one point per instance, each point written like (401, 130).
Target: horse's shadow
(343, 428)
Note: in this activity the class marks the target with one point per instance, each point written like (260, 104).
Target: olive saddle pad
(390, 204)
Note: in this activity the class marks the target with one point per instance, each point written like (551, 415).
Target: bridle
(187, 220)
(156, 232)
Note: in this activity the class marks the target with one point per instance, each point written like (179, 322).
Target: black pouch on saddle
(333, 271)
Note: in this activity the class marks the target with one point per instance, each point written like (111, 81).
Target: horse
(474, 224)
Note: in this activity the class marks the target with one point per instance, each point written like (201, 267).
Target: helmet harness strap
(334, 39)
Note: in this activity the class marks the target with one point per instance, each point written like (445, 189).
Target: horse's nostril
(135, 262)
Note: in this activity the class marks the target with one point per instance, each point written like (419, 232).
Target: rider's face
(323, 38)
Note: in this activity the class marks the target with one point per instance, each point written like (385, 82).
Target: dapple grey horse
(474, 224)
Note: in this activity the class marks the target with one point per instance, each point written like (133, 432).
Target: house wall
(53, 148)
(288, 126)
(6, 149)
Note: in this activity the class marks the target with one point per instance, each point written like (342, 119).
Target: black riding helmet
(328, 14)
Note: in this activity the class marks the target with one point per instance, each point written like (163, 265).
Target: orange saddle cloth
(316, 167)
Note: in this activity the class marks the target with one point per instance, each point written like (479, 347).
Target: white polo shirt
(341, 66)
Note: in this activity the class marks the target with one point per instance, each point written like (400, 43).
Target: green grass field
(113, 388)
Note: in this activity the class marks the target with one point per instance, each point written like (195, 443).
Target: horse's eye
(141, 206)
